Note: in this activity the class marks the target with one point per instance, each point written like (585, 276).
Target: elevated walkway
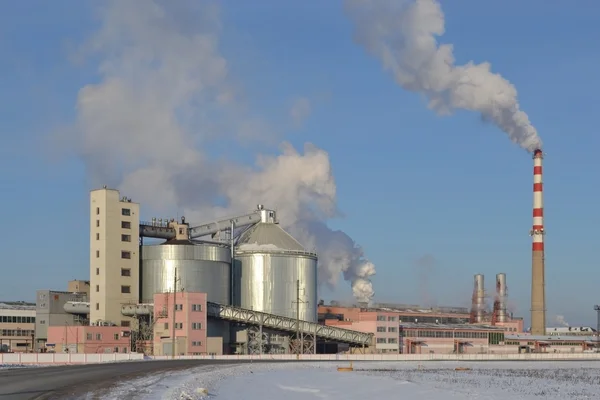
(288, 325)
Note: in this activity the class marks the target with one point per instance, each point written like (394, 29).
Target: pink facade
(190, 323)
(512, 327)
(89, 339)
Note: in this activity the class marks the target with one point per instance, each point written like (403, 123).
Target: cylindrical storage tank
(203, 268)
(269, 264)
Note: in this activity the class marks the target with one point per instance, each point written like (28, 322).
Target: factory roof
(570, 329)
(268, 237)
(452, 327)
(554, 338)
(16, 305)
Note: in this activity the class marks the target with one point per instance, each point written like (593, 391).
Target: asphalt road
(64, 382)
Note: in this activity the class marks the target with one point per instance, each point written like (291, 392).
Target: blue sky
(410, 183)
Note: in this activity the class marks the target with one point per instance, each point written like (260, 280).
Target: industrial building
(17, 326)
(238, 285)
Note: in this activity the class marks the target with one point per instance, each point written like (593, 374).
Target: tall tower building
(114, 255)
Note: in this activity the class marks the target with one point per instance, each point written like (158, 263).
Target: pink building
(190, 323)
(88, 339)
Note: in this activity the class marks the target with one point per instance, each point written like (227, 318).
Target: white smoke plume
(402, 35)
(164, 101)
(559, 319)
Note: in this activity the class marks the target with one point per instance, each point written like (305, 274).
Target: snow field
(419, 380)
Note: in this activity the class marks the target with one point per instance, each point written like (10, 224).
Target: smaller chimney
(478, 306)
(501, 296)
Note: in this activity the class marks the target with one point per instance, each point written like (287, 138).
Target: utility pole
(597, 309)
(174, 313)
(300, 347)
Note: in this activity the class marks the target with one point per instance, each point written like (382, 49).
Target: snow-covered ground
(427, 380)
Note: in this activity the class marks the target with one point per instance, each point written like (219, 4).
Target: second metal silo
(269, 265)
(201, 267)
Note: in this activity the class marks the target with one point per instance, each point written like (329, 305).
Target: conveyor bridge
(288, 325)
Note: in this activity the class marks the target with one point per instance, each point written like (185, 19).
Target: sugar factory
(243, 285)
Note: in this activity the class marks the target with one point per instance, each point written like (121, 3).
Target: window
(97, 271)
(98, 336)
(126, 254)
(392, 340)
(391, 318)
(381, 318)
(166, 326)
(125, 324)
(125, 289)
(116, 350)
(97, 253)
(97, 223)
(124, 349)
(125, 225)
(381, 329)
(97, 288)
(178, 325)
(392, 329)
(97, 236)
(196, 343)
(125, 238)
(89, 336)
(178, 307)
(125, 272)
(125, 211)
(196, 325)
(97, 210)
(381, 340)
(97, 306)
(42, 322)
(196, 307)
(116, 336)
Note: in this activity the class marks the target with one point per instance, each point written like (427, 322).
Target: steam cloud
(559, 319)
(402, 35)
(165, 100)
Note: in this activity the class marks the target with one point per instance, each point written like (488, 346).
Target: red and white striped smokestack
(538, 202)
(538, 295)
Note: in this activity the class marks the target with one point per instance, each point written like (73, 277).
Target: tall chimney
(538, 295)
(479, 298)
(501, 295)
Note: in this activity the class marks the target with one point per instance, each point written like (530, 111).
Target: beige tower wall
(538, 295)
(114, 255)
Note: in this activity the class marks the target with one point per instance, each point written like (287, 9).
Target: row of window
(446, 334)
(428, 319)
(179, 325)
(389, 329)
(124, 224)
(124, 272)
(124, 211)
(195, 307)
(17, 332)
(515, 343)
(196, 343)
(15, 319)
(98, 336)
(388, 340)
(125, 255)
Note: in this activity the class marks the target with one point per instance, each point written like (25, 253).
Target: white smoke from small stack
(561, 320)
(164, 101)
(402, 35)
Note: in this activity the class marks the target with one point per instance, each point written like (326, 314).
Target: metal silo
(269, 263)
(204, 268)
